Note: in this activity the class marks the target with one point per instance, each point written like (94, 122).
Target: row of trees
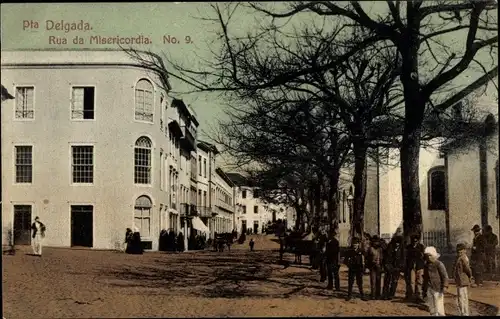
(331, 86)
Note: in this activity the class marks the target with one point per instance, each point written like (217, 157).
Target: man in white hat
(435, 281)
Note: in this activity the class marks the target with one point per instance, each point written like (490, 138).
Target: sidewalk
(488, 294)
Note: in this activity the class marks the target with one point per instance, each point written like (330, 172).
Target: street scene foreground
(82, 283)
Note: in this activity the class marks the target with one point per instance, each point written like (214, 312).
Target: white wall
(113, 134)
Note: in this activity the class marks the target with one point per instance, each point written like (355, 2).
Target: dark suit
(332, 258)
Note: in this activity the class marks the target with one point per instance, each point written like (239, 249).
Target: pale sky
(153, 20)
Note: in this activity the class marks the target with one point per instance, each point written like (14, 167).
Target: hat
(476, 228)
(398, 239)
(460, 246)
(375, 238)
(431, 251)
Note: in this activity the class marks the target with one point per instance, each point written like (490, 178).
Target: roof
(238, 179)
(224, 176)
(207, 147)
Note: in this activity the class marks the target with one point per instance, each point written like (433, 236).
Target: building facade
(459, 188)
(224, 205)
(85, 146)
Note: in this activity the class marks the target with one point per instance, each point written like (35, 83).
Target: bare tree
(413, 28)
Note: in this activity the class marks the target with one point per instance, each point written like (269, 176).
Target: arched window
(142, 161)
(436, 180)
(144, 101)
(142, 215)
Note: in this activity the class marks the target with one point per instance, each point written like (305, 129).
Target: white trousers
(37, 244)
(435, 301)
(463, 301)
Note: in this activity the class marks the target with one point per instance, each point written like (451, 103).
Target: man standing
(354, 260)
(332, 257)
(491, 246)
(393, 265)
(414, 263)
(374, 264)
(38, 229)
(478, 256)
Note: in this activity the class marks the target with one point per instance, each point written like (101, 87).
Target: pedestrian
(321, 257)
(435, 282)
(251, 244)
(332, 258)
(414, 264)
(478, 257)
(128, 240)
(393, 266)
(374, 264)
(462, 275)
(38, 235)
(490, 249)
(354, 260)
(180, 242)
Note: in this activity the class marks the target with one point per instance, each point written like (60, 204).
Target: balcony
(188, 140)
(204, 211)
(224, 206)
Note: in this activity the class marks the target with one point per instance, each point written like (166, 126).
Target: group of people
(425, 275)
(170, 241)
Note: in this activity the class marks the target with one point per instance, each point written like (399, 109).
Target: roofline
(221, 173)
(73, 64)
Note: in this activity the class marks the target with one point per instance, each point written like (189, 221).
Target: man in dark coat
(393, 265)
(374, 259)
(478, 256)
(354, 260)
(490, 251)
(414, 263)
(332, 258)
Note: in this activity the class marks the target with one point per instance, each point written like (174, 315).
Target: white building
(254, 213)
(223, 207)
(206, 153)
(458, 189)
(86, 147)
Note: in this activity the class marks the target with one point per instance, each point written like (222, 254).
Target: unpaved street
(86, 283)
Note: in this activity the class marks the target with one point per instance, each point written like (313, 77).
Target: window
(436, 188)
(83, 164)
(256, 209)
(142, 158)
(24, 164)
(244, 210)
(256, 193)
(205, 167)
(204, 198)
(199, 197)
(142, 215)
(344, 199)
(162, 98)
(144, 101)
(244, 194)
(24, 102)
(82, 106)
(199, 165)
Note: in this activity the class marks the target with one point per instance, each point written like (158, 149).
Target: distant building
(254, 213)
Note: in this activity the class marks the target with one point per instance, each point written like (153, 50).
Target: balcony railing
(225, 206)
(204, 211)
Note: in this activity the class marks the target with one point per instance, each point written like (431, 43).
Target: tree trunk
(414, 115)
(333, 213)
(360, 183)
(318, 205)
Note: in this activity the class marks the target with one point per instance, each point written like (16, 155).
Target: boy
(374, 264)
(435, 282)
(251, 244)
(462, 274)
(354, 260)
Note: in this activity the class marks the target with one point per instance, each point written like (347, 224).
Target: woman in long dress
(38, 229)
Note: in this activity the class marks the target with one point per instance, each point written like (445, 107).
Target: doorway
(82, 225)
(22, 225)
(243, 226)
(255, 227)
